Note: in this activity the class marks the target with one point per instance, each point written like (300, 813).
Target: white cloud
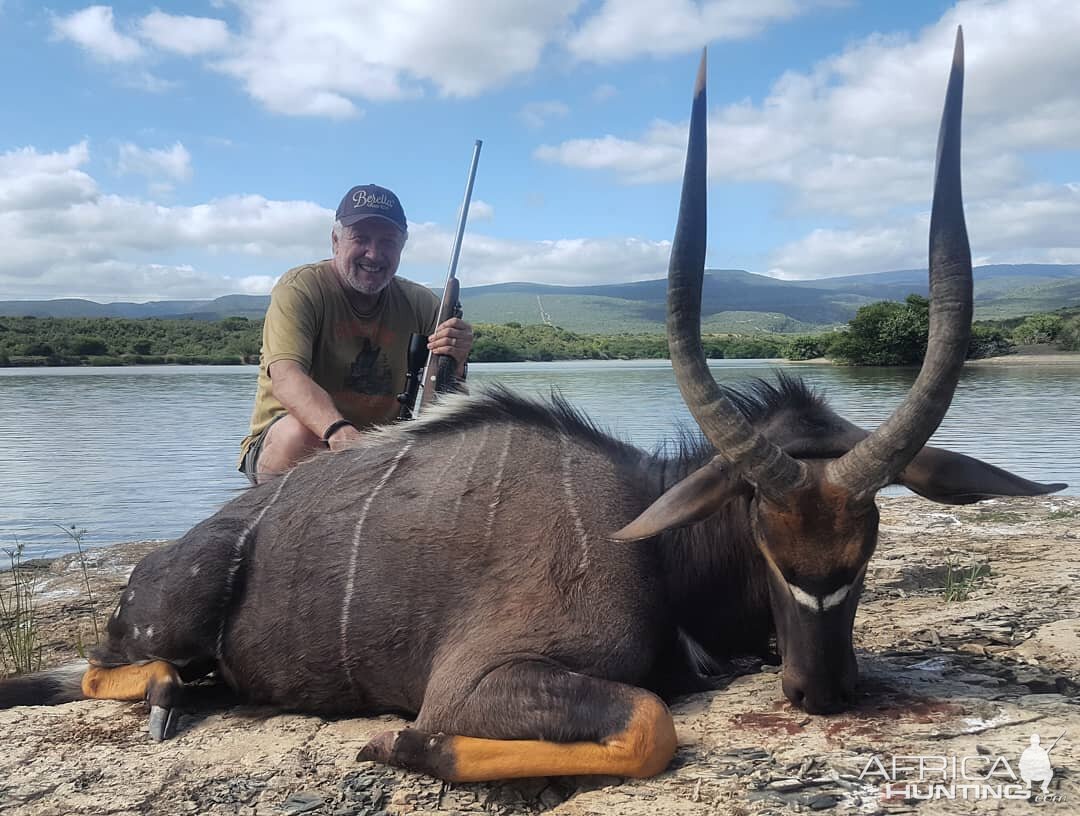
(30, 180)
(851, 137)
(855, 136)
(92, 28)
(111, 280)
(64, 237)
(862, 125)
(1034, 225)
(480, 211)
(254, 285)
(327, 57)
(173, 163)
(485, 259)
(623, 29)
(829, 252)
(537, 114)
(183, 34)
(319, 57)
(635, 162)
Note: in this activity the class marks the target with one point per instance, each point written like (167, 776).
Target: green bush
(486, 350)
(885, 334)
(808, 347)
(64, 340)
(1068, 338)
(88, 346)
(987, 341)
(1040, 328)
(746, 348)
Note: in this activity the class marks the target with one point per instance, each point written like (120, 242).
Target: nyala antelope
(530, 588)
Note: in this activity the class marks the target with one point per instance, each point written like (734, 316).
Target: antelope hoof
(380, 748)
(414, 750)
(162, 722)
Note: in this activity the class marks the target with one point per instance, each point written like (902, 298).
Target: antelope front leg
(534, 719)
(157, 682)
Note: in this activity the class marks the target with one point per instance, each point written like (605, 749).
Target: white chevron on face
(820, 603)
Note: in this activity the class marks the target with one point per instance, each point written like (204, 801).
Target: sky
(197, 149)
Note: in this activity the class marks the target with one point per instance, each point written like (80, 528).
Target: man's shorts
(250, 463)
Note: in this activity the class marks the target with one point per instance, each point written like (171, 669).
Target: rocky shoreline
(963, 678)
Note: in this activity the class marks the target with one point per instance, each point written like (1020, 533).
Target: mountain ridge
(730, 300)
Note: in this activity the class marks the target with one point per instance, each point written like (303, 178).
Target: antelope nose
(813, 698)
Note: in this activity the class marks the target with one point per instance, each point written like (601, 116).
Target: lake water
(146, 452)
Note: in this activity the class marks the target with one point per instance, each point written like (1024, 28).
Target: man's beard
(362, 282)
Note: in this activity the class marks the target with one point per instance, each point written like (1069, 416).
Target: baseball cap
(371, 201)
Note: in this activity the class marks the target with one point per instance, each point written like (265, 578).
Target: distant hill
(732, 301)
(991, 281)
(253, 306)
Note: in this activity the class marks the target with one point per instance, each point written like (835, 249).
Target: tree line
(122, 341)
(884, 333)
(889, 333)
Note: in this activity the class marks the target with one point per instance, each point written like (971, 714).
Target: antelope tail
(50, 687)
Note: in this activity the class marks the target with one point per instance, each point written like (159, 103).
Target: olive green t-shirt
(358, 358)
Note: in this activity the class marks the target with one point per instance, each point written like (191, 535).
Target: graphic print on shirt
(370, 372)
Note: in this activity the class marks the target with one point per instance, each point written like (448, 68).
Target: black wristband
(334, 427)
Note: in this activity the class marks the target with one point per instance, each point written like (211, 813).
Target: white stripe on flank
(350, 581)
(571, 498)
(449, 468)
(238, 559)
(464, 481)
(496, 488)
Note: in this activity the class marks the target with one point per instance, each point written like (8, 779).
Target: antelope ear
(953, 478)
(696, 497)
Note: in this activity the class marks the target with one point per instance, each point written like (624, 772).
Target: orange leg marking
(132, 682)
(643, 749)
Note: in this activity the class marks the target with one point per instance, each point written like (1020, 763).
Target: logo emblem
(1035, 763)
(361, 198)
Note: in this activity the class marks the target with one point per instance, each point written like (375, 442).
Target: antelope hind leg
(157, 682)
(533, 719)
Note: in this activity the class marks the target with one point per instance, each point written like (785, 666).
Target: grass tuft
(76, 534)
(960, 581)
(20, 652)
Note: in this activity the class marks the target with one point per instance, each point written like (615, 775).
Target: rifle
(436, 371)
(1054, 743)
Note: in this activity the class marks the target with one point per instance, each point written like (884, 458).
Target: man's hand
(310, 406)
(343, 438)
(454, 338)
